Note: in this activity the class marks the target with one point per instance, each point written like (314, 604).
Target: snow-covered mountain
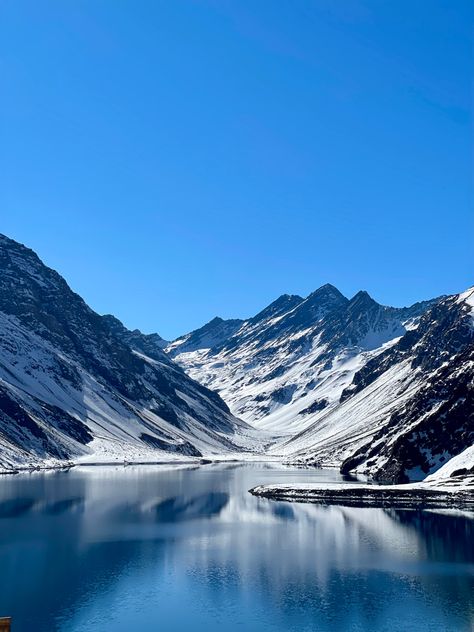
(382, 391)
(433, 411)
(74, 384)
(409, 409)
(295, 358)
(214, 333)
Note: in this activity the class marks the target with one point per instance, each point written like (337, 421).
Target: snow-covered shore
(451, 486)
(435, 492)
(158, 458)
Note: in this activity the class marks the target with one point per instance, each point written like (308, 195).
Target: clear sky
(177, 160)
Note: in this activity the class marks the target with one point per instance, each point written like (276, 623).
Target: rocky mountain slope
(409, 409)
(74, 384)
(295, 358)
(375, 390)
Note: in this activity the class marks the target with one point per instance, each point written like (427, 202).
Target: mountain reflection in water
(150, 548)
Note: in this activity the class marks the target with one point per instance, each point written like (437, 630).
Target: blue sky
(178, 160)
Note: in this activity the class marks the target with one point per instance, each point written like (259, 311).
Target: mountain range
(323, 380)
(379, 391)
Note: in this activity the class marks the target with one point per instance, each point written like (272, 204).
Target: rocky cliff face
(437, 421)
(408, 410)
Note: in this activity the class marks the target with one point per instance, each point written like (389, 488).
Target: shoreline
(68, 465)
(446, 494)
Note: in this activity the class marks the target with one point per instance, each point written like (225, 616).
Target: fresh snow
(462, 461)
(320, 380)
(467, 297)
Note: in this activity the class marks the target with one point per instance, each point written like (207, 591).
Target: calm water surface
(105, 549)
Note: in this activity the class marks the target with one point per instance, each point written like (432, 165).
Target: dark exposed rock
(315, 407)
(437, 422)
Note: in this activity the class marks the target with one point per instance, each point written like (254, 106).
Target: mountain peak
(215, 321)
(326, 290)
(285, 299)
(282, 304)
(362, 299)
(327, 297)
(317, 305)
(213, 333)
(329, 286)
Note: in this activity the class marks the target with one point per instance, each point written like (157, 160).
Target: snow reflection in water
(173, 549)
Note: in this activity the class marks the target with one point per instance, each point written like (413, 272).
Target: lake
(156, 549)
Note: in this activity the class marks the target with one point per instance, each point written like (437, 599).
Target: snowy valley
(379, 391)
(324, 380)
